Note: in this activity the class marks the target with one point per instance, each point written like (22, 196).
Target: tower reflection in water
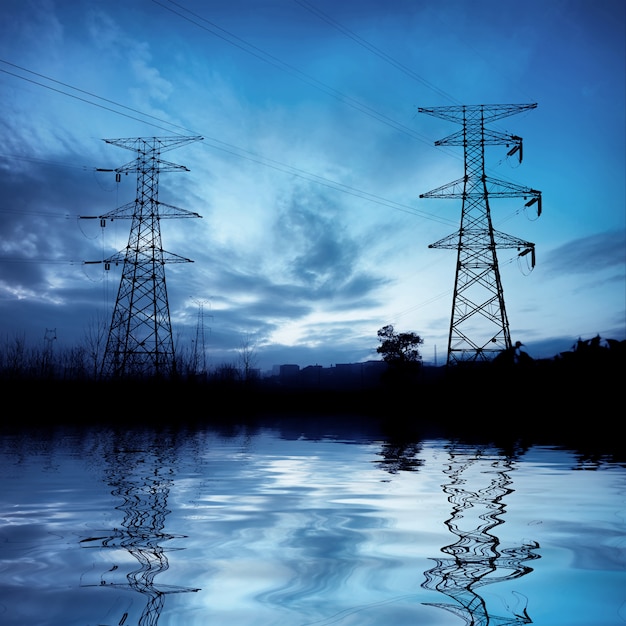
(141, 478)
(476, 559)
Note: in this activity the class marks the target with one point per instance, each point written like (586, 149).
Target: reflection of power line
(476, 558)
(142, 480)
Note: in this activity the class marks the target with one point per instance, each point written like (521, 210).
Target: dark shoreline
(504, 411)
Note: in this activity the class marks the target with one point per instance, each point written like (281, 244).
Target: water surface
(260, 526)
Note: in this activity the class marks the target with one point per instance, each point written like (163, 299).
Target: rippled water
(254, 527)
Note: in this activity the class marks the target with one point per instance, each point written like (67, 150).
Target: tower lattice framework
(140, 341)
(479, 328)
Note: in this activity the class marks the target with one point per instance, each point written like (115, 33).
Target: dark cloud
(322, 255)
(309, 231)
(602, 251)
(359, 292)
(39, 235)
(309, 261)
(44, 283)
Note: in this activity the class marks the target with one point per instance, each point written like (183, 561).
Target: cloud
(318, 249)
(602, 251)
(281, 252)
(148, 77)
(35, 25)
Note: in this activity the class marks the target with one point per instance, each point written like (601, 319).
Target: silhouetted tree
(247, 358)
(513, 356)
(399, 348)
(226, 373)
(14, 356)
(94, 343)
(596, 355)
(400, 352)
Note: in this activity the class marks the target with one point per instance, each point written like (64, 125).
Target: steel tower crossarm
(152, 145)
(479, 327)
(486, 112)
(127, 212)
(459, 189)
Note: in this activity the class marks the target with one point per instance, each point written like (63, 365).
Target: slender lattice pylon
(140, 339)
(479, 328)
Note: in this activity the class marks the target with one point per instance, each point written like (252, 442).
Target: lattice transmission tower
(140, 339)
(479, 328)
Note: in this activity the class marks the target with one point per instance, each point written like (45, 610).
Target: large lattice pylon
(479, 328)
(140, 342)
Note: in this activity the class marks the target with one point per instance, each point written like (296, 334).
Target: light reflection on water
(258, 527)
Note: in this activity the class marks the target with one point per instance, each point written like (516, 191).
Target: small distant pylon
(479, 327)
(49, 338)
(199, 344)
(140, 339)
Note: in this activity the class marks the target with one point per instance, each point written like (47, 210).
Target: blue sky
(313, 235)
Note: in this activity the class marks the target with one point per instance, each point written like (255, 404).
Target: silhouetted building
(341, 376)
(289, 374)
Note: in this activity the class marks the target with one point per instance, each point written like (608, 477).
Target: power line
(65, 93)
(29, 159)
(240, 152)
(380, 53)
(290, 69)
(65, 216)
(373, 49)
(228, 147)
(283, 167)
(76, 97)
(39, 261)
(219, 145)
(281, 65)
